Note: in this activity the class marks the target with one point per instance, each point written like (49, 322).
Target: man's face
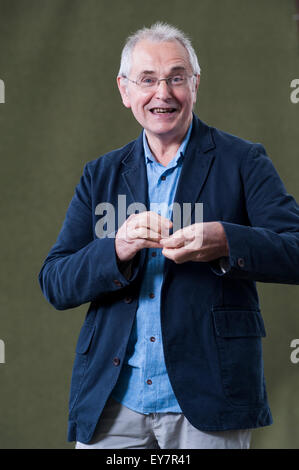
(161, 60)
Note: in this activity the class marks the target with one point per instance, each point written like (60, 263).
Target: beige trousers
(122, 428)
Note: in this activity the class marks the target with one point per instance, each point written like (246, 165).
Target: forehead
(156, 56)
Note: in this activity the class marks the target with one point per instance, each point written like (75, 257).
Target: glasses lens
(147, 81)
(177, 80)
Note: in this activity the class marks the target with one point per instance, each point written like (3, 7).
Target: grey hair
(158, 32)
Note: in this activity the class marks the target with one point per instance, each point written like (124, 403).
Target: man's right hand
(139, 231)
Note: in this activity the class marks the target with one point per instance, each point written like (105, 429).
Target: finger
(149, 244)
(131, 234)
(146, 233)
(181, 237)
(172, 242)
(153, 220)
(187, 247)
(179, 255)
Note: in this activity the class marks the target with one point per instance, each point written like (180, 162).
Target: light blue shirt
(143, 384)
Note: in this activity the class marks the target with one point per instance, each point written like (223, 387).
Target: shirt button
(149, 382)
(116, 361)
(117, 283)
(128, 300)
(154, 254)
(151, 295)
(241, 262)
(153, 339)
(163, 178)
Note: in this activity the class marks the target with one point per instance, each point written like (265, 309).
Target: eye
(147, 81)
(177, 79)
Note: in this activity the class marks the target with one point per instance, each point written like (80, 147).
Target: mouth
(163, 110)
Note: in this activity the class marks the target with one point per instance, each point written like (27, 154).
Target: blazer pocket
(80, 364)
(238, 334)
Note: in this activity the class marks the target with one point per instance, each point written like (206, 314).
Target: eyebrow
(177, 68)
(146, 72)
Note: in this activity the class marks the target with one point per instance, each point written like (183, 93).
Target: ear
(196, 86)
(123, 89)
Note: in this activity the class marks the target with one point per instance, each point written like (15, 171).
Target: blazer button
(117, 283)
(116, 361)
(128, 300)
(241, 262)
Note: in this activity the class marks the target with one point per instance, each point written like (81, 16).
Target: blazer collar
(197, 162)
(134, 173)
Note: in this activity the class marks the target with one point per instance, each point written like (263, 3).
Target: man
(169, 355)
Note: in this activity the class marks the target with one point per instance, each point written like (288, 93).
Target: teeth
(163, 110)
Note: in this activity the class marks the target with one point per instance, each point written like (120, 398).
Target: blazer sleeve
(268, 249)
(79, 268)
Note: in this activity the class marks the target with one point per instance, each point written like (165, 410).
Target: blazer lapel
(134, 175)
(134, 179)
(196, 165)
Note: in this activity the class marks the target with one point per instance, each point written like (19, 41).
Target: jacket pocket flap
(238, 323)
(85, 338)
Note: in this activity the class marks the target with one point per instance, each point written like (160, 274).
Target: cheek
(192, 98)
(185, 99)
(138, 108)
(143, 105)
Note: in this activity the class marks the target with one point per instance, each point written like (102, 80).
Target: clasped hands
(204, 241)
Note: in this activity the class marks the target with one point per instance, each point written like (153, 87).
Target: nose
(163, 90)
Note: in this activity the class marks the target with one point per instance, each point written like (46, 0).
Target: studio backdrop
(60, 108)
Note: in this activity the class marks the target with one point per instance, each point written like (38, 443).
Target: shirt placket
(152, 375)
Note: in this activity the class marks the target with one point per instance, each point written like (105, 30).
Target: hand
(198, 242)
(143, 230)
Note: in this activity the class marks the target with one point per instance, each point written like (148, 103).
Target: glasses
(151, 83)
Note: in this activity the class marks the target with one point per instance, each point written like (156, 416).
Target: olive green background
(59, 60)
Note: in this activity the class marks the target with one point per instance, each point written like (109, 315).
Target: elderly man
(170, 355)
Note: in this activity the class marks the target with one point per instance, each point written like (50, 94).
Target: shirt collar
(180, 153)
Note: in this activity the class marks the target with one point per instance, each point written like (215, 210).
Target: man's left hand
(198, 242)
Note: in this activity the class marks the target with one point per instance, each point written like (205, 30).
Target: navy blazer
(211, 322)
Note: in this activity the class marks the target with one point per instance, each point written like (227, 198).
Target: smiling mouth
(162, 110)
